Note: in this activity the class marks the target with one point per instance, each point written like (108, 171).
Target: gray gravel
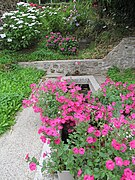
(15, 144)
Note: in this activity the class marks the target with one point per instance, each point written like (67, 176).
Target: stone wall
(68, 67)
(122, 56)
(7, 5)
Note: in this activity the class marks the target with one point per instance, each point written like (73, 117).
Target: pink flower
(48, 141)
(133, 115)
(27, 157)
(88, 177)
(43, 139)
(90, 129)
(97, 133)
(118, 161)
(75, 150)
(116, 145)
(127, 172)
(132, 144)
(90, 140)
(133, 160)
(32, 166)
(79, 172)
(57, 141)
(44, 155)
(33, 86)
(124, 147)
(104, 132)
(110, 165)
(62, 49)
(106, 127)
(117, 124)
(126, 162)
(81, 151)
(113, 103)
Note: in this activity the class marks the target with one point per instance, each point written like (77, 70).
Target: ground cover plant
(100, 129)
(127, 75)
(14, 85)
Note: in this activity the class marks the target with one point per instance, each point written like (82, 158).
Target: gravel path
(15, 144)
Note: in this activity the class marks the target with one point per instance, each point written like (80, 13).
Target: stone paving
(23, 139)
(15, 144)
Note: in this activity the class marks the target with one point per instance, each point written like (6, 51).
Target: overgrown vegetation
(123, 76)
(14, 85)
(96, 25)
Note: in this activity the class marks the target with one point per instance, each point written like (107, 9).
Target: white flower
(20, 3)
(26, 4)
(3, 35)
(37, 31)
(24, 15)
(20, 26)
(4, 25)
(13, 17)
(9, 40)
(1, 28)
(14, 27)
(23, 37)
(32, 24)
(10, 14)
(19, 22)
(11, 26)
(6, 14)
(15, 11)
(16, 19)
(32, 17)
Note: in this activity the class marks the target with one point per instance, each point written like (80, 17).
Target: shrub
(20, 28)
(68, 46)
(54, 19)
(53, 40)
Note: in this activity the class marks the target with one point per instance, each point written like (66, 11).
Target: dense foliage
(14, 87)
(122, 11)
(127, 75)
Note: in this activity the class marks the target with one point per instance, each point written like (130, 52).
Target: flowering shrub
(21, 27)
(100, 142)
(53, 40)
(55, 19)
(68, 45)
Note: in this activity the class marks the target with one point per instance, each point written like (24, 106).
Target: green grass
(127, 75)
(14, 87)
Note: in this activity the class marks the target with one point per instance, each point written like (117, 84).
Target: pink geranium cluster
(100, 130)
(66, 45)
(53, 40)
